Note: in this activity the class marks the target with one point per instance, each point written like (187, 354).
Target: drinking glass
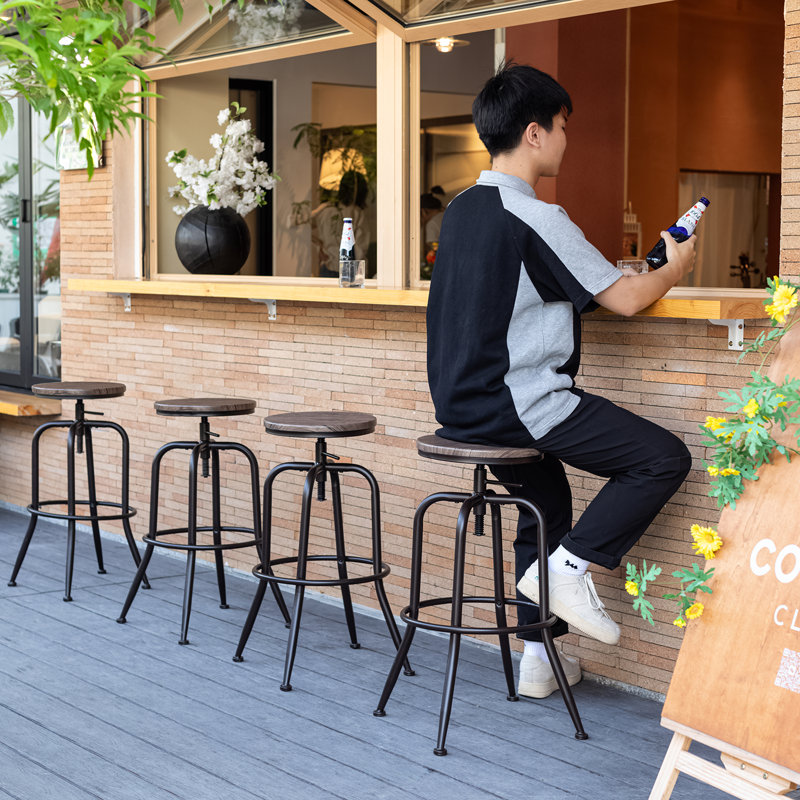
(351, 274)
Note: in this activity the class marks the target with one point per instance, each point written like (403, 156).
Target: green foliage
(641, 577)
(355, 141)
(76, 63)
(691, 581)
(744, 441)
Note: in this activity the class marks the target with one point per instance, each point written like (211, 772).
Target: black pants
(644, 463)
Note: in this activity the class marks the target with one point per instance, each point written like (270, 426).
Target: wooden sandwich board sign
(736, 684)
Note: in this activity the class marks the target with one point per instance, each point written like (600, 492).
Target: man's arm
(631, 293)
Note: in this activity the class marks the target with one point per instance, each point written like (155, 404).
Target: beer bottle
(680, 232)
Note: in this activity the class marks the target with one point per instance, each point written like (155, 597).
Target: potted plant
(212, 236)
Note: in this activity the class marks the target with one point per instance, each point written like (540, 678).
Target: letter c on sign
(764, 544)
(788, 577)
(775, 617)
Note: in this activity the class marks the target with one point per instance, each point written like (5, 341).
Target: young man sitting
(512, 276)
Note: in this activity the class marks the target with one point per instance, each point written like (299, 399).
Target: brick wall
(373, 358)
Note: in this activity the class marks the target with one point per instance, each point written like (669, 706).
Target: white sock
(535, 649)
(565, 563)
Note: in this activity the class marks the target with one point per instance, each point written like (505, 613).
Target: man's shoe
(574, 599)
(536, 678)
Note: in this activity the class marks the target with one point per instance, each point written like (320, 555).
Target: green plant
(358, 145)
(636, 585)
(691, 581)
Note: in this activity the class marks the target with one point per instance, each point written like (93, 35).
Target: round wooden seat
(204, 407)
(442, 449)
(320, 424)
(78, 390)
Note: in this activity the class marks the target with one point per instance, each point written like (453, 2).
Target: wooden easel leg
(668, 774)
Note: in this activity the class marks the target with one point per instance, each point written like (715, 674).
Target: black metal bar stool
(79, 436)
(320, 425)
(442, 449)
(205, 451)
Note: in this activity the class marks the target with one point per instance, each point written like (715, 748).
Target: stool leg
(544, 611)
(217, 526)
(191, 555)
(341, 562)
(377, 556)
(98, 545)
(23, 549)
(155, 471)
(500, 599)
(71, 514)
(299, 592)
(459, 552)
(413, 608)
(125, 499)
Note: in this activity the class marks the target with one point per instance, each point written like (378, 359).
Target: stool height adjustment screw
(479, 487)
(321, 456)
(205, 439)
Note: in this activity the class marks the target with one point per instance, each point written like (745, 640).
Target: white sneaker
(574, 599)
(536, 677)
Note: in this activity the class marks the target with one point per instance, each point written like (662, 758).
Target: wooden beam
(347, 16)
(16, 404)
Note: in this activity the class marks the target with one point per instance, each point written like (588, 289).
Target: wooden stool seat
(79, 390)
(313, 424)
(442, 449)
(204, 407)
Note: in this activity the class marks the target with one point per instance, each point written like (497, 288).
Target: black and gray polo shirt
(512, 276)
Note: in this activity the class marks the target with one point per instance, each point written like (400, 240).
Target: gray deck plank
(88, 706)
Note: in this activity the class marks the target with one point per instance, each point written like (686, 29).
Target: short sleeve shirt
(512, 276)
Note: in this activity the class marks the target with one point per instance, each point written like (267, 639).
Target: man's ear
(531, 135)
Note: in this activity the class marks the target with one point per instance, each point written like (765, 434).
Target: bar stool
(205, 451)
(320, 425)
(441, 449)
(79, 433)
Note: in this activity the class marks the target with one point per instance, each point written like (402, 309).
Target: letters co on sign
(784, 564)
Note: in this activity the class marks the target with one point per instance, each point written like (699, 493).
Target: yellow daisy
(782, 400)
(750, 409)
(679, 623)
(714, 423)
(631, 587)
(728, 471)
(712, 470)
(706, 541)
(784, 299)
(694, 611)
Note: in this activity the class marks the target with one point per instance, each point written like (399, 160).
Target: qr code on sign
(788, 676)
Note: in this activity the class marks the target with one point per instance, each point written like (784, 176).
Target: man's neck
(513, 164)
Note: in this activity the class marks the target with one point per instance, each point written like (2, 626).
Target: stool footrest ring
(375, 576)
(125, 513)
(152, 538)
(405, 615)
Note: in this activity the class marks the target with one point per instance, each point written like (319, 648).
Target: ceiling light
(444, 44)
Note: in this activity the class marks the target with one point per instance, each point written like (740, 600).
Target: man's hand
(631, 293)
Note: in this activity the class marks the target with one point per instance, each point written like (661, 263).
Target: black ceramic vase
(212, 242)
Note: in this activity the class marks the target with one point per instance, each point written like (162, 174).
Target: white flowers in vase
(232, 178)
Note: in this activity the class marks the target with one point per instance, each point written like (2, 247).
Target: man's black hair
(513, 98)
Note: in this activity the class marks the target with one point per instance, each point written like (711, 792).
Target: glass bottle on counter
(680, 232)
(351, 270)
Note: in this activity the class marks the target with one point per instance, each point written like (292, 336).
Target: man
(512, 276)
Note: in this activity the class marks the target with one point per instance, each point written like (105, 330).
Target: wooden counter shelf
(680, 303)
(18, 404)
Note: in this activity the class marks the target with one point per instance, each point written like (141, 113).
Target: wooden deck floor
(93, 709)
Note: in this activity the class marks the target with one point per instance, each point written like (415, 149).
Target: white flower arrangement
(258, 23)
(232, 178)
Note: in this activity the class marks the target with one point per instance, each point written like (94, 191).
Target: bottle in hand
(680, 232)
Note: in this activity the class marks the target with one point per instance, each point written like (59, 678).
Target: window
(30, 286)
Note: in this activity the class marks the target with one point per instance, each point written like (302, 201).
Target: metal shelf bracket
(272, 307)
(735, 332)
(126, 299)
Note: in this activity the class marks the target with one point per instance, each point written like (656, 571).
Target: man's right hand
(680, 255)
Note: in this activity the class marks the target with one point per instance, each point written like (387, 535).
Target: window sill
(18, 404)
(683, 302)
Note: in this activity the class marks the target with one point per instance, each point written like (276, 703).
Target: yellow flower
(750, 409)
(631, 587)
(782, 400)
(784, 299)
(679, 623)
(706, 541)
(712, 470)
(714, 423)
(694, 611)
(728, 471)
